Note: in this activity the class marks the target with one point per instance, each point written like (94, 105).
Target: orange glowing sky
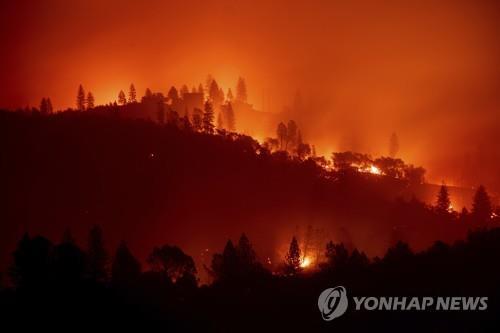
(428, 70)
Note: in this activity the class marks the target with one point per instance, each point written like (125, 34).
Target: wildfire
(306, 262)
(374, 170)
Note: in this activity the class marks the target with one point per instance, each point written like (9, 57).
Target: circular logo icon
(332, 303)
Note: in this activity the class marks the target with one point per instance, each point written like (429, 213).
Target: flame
(306, 262)
(374, 170)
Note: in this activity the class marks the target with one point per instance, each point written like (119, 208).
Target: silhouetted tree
(200, 89)
(392, 167)
(443, 202)
(172, 95)
(337, 255)
(184, 90)
(44, 107)
(220, 122)
(148, 94)
(293, 258)
(214, 94)
(481, 206)
(132, 94)
(303, 149)
(229, 95)
(282, 134)
(291, 134)
(125, 270)
(241, 90)
(225, 265)
(97, 256)
(414, 175)
(68, 261)
(397, 254)
(80, 98)
(31, 266)
(90, 101)
(197, 119)
(50, 108)
(393, 145)
(230, 120)
(208, 118)
(172, 262)
(122, 100)
(245, 252)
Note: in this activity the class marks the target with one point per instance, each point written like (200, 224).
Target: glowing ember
(306, 262)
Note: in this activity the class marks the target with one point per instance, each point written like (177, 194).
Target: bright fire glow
(306, 262)
(375, 170)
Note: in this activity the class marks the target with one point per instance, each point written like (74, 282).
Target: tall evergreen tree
(132, 94)
(443, 202)
(80, 98)
(173, 95)
(184, 90)
(122, 100)
(43, 106)
(481, 206)
(282, 134)
(208, 118)
(50, 108)
(220, 121)
(241, 90)
(200, 89)
(293, 258)
(126, 269)
(229, 95)
(97, 255)
(245, 251)
(230, 119)
(90, 101)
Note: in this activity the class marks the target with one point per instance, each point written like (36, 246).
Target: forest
(155, 197)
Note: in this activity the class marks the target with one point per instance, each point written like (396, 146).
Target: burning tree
(293, 258)
(443, 203)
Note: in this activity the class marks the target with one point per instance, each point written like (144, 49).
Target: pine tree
(229, 95)
(97, 255)
(173, 95)
(43, 106)
(443, 202)
(122, 100)
(197, 120)
(50, 108)
(481, 207)
(220, 121)
(293, 257)
(230, 121)
(200, 89)
(90, 101)
(241, 90)
(80, 99)
(282, 133)
(132, 94)
(184, 90)
(126, 269)
(208, 118)
(245, 251)
(213, 92)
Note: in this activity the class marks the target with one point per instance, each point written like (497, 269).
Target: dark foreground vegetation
(168, 183)
(61, 283)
